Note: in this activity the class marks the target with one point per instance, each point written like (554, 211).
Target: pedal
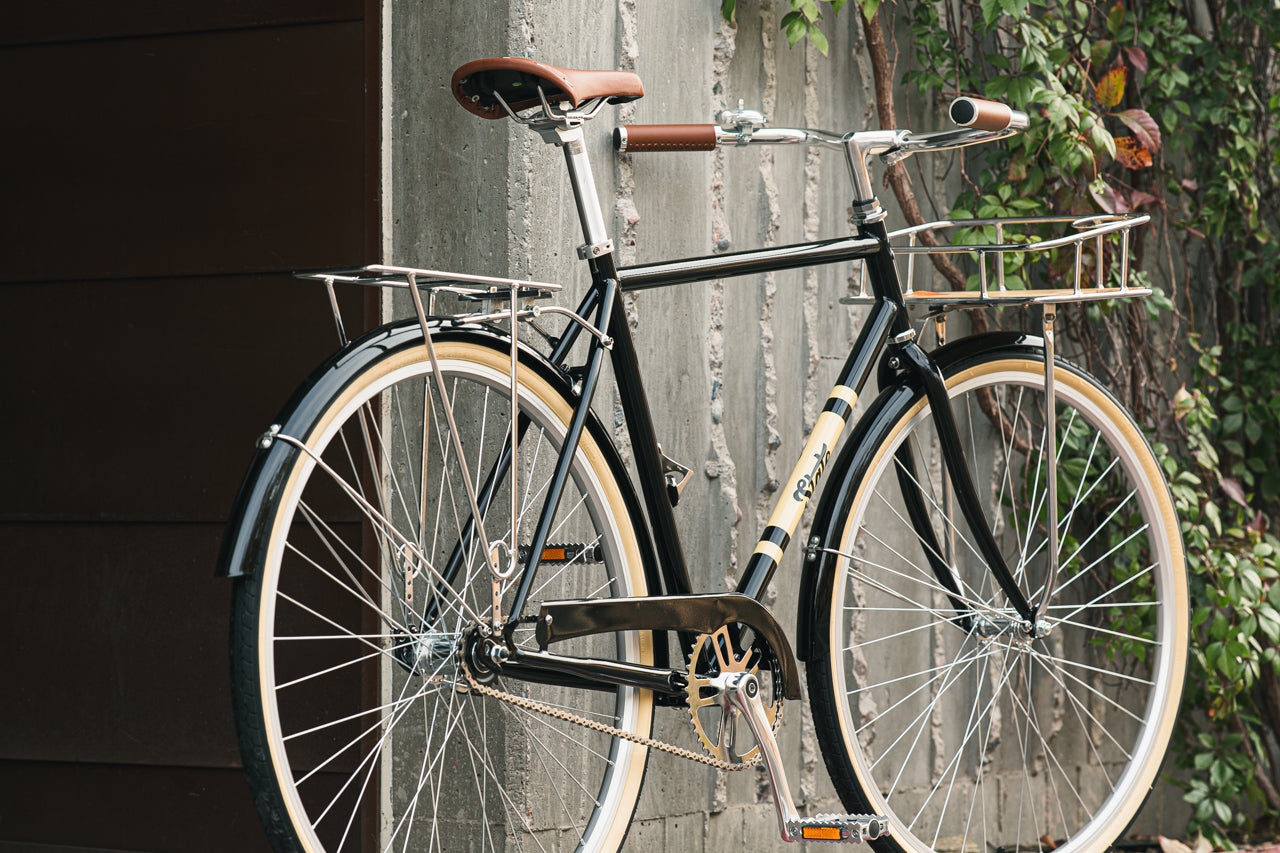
(840, 828)
(742, 691)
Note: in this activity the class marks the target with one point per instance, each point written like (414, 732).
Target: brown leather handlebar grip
(665, 137)
(981, 115)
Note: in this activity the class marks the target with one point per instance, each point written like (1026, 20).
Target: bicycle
(455, 614)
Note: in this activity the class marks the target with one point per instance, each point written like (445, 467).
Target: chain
(559, 714)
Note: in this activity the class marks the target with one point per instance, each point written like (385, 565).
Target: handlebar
(639, 138)
(987, 115)
(980, 121)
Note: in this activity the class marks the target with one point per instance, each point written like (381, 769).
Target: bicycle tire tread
(246, 597)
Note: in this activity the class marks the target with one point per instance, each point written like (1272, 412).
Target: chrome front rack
(1091, 237)
(1093, 233)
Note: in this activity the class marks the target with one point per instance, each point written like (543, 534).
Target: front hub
(1017, 632)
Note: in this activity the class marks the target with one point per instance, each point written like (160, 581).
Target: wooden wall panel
(166, 166)
(45, 809)
(119, 642)
(42, 21)
(199, 154)
(139, 401)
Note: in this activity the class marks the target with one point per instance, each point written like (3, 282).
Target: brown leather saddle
(478, 84)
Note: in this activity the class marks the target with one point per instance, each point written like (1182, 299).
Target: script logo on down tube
(806, 484)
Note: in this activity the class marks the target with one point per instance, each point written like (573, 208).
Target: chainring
(713, 656)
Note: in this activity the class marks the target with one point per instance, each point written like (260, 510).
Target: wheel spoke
(938, 509)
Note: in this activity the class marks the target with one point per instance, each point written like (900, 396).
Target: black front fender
(818, 575)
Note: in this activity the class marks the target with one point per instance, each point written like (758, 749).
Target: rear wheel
(934, 706)
(356, 727)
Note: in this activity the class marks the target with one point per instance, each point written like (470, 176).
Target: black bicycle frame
(888, 322)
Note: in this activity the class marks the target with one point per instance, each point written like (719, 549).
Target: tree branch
(1259, 771)
(882, 71)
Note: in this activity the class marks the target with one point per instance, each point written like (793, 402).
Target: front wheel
(356, 725)
(935, 706)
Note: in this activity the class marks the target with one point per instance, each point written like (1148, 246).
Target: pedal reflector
(568, 552)
(841, 828)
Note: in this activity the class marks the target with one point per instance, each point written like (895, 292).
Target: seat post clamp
(604, 247)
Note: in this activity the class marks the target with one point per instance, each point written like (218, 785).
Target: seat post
(584, 191)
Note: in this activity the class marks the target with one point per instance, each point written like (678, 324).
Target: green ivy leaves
(801, 21)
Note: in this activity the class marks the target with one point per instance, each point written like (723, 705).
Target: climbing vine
(1167, 108)
(1170, 107)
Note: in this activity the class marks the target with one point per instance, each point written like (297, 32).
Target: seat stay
(542, 532)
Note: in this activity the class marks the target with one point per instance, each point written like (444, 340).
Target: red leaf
(1111, 87)
(1108, 199)
(1258, 525)
(1231, 489)
(1131, 154)
(1189, 185)
(1139, 198)
(1195, 232)
(1143, 126)
(1137, 58)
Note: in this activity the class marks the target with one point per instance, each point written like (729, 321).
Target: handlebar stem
(858, 148)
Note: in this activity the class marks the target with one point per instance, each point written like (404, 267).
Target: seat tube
(598, 251)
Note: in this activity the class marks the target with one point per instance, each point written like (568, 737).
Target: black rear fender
(244, 543)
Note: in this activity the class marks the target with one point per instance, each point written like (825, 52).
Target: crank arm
(742, 692)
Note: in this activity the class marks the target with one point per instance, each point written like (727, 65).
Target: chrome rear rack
(516, 293)
(463, 285)
(1093, 234)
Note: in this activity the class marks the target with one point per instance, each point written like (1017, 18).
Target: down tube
(800, 486)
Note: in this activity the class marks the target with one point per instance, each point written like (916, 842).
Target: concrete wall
(737, 370)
